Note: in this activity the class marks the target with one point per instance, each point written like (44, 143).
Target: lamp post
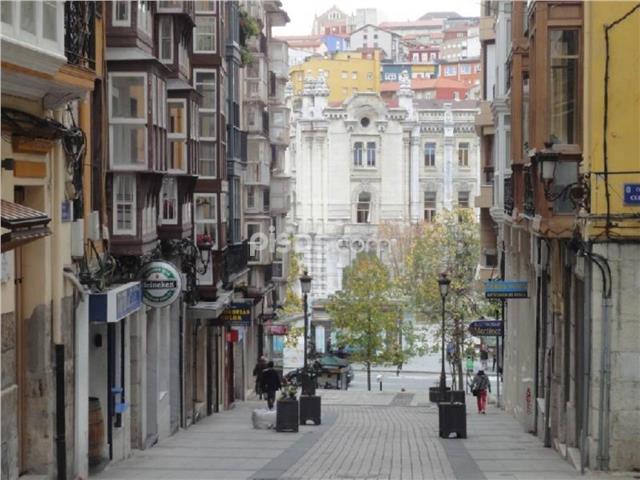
(443, 283)
(305, 286)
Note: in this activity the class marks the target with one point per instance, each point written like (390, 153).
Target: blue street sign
(506, 289)
(486, 328)
(632, 193)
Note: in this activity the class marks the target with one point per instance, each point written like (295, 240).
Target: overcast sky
(302, 12)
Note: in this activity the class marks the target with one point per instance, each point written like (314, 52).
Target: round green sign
(161, 284)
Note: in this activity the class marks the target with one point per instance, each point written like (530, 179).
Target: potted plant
(287, 413)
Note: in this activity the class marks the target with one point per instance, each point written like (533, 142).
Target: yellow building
(619, 105)
(347, 73)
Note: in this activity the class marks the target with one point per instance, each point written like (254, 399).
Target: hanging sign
(486, 328)
(161, 284)
(237, 314)
(506, 289)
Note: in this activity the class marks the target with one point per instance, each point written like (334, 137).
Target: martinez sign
(161, 284)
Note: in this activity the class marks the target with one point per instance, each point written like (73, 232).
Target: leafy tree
(450, 245)
(366, 317)
(292, 304)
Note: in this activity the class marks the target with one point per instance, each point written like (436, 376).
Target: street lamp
(305, 285)
(443, 283)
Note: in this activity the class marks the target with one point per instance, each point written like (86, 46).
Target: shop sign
(237, 314)
(161, 284)
(276, 329)
(632, 193)
(116, 303)
(486, 328)
(506, 289)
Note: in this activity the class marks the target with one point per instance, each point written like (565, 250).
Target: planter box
(310, 409)
(287, 415)
(452, 418)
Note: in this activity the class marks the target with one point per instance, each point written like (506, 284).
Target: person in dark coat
(479, 387)
(257, 372)
(270, 384)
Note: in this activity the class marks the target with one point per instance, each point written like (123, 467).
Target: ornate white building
(363, 163)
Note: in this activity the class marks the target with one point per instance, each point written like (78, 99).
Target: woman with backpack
(479, 388)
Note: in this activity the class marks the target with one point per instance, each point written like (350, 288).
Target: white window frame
(148, 23)
(205, 110)
(184, 61)
(371, 158)
(258, 257)
(169, 58)
(174, 9)
(432, 210)
(208, 221)
(128, 121)
(195, 35)
(435, 148)
(468, 199)
(37, 40)
(178, 136)
(120, 23)
(465, 69)
(174, 199)
(205, 12)
(357, 160)
(468, 150)
(134, 219)
(368, 218)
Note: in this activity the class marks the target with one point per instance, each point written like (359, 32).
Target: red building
(427, 88)
(467, 71)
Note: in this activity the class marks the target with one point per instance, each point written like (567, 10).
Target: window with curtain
(177, 135)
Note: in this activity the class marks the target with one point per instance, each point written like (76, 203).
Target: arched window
(363, 211)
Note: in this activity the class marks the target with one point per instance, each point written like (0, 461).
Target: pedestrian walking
(270, 384)
(257, 372)
(479, 388)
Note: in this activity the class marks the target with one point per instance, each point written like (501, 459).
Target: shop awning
(24, 224)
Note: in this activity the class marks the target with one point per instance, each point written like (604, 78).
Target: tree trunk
(369, 376)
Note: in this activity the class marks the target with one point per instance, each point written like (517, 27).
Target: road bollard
(380, 381)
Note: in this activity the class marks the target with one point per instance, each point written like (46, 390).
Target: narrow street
(364, 435)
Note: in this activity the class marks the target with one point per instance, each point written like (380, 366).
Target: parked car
(323, 368)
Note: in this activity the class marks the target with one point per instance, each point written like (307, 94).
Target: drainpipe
(605, 366)
(586, 371)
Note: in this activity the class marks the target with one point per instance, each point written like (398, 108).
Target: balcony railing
(236, 258)
(529, 200)
(79, 36)
(508, 195)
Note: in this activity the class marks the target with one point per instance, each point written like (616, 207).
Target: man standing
(270, 384)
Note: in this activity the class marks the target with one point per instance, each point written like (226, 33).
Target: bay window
(145, 19)
(563, 86)
(124, 204)
(204, 37)
(121, 13)
(165, 41)
(177, 135)
(169, 201)
(128, 120)
(206, 218)
(208, 160)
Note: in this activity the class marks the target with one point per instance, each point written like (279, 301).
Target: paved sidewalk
(364, 435)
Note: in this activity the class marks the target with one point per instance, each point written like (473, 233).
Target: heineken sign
(161, 284)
